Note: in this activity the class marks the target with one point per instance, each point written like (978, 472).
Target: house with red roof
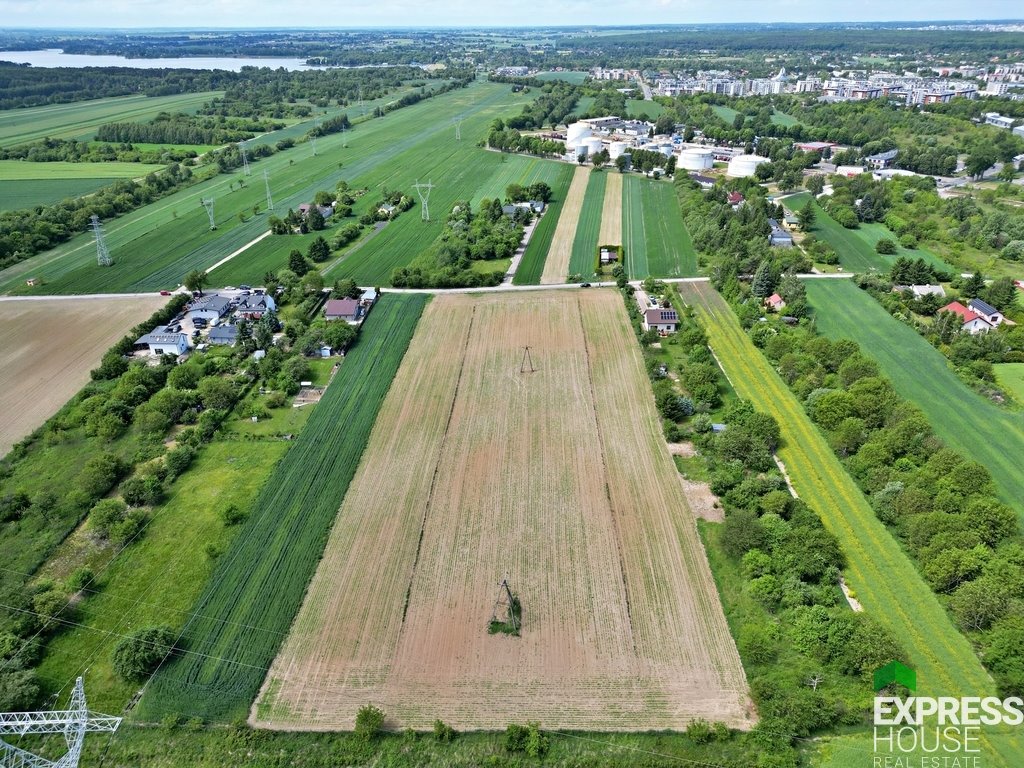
(775, 303)
(348, 310)
(971, 321)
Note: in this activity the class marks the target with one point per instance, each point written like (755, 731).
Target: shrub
(136, 656)
(80, 579)
(232, 515)
(886, 246)
(443, 732)
(369, 721)
(699, 731)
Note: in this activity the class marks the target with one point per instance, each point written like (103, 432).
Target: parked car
(165, 293)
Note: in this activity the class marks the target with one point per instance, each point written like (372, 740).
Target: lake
(57, 58)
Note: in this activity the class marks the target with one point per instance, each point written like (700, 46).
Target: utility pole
(266, 183)
(245, 160)
(208, 205)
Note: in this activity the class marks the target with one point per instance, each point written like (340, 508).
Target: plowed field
(557, 478)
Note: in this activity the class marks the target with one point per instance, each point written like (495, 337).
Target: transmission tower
(424, 193)
(458, 128)
(245, 160)
(208, 205)
(266, 183)
(102, 252)
(506, 607)
(526, 366)
(74, 722)
(312, 135)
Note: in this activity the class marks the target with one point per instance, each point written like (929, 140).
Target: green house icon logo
(894, 672)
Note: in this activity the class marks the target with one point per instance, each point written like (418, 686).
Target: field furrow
(656, 241)
(526, 468)
(611, 212)
(556, 267)
(588, 228)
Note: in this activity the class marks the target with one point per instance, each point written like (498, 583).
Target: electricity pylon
(102, 252)
(424, 193)
(74, 722)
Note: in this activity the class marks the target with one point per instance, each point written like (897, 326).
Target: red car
(165, 293)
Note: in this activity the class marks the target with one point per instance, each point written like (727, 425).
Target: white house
(987, 311)
(660, 319)
(211, 307)
(160, 342)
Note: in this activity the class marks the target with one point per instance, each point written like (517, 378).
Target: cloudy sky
(390, 13)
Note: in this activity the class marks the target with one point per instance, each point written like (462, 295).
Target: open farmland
(532, 265)
(258, 583)
(155, 246)
(522, 170)
(80, 119)
(556, 267)
(558, 478)
(26, 184)
(1010, 376)
(28, 193)
(885, 581)
(47, 348)
(588, 226)
(856, 247)
(611, 212)
(655, 237)
(966, 421)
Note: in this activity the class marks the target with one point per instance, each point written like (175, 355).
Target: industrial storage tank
(696, 159)
(742, 166)
(593, 145)
(616, 149)
(577, 133)
(576, 151)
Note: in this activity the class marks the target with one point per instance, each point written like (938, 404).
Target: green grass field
(966, 421)
(584, 245)
(856, 247)
(155, 246)
(158, 579)
(199, 149)
(569, 77)
(522, 170)
(27, 193)
(22, 170)
(781, 118)
(80, 119)
(532, 265)
(583, 104)
(653, 234)
(728, 114)
(637, 107)
(1010, 376)
(236, 630)
(885, 581)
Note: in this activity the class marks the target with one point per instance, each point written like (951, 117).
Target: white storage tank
(576, 133)
(593, 145)
(742, 166)
(576, 152)
(617, 149)
(696, 159)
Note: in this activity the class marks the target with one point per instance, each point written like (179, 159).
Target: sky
(392, 13)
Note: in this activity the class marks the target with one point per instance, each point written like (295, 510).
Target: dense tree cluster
(510, 140)
(167, 128)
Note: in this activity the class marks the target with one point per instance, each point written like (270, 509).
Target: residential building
(254, 307)
(971, 321)
(778, 236)
(160, 341)
(775, 303)
(225, 335)
(348, 310)
(990, 313)
(994, 118)
(660, 319)
(210, 307)
(920, 290)
(882, 159)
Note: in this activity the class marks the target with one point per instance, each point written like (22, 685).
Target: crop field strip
(80, 119)
(886, 583)
(1010, 376)
(856, 247)
(966, 421)
(588, 226)
(611, 212)
(155, 246)
(476, 470)
(532, 265)
(258, 584)
(656, 241)
(556, 266)
(47, 349)
(519, 169)
(22, 169)
(28, 193)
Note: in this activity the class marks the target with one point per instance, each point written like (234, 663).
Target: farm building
(160, 341)
(209, 308)
(348, 310)
(882, 159)
(325, 210)
(971, 321)
(254, 307)
(225, 335)
(369, 297)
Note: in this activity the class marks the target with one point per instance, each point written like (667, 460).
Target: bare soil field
(611, 212)
(557, 265)
(48, 347)
(556, 478)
